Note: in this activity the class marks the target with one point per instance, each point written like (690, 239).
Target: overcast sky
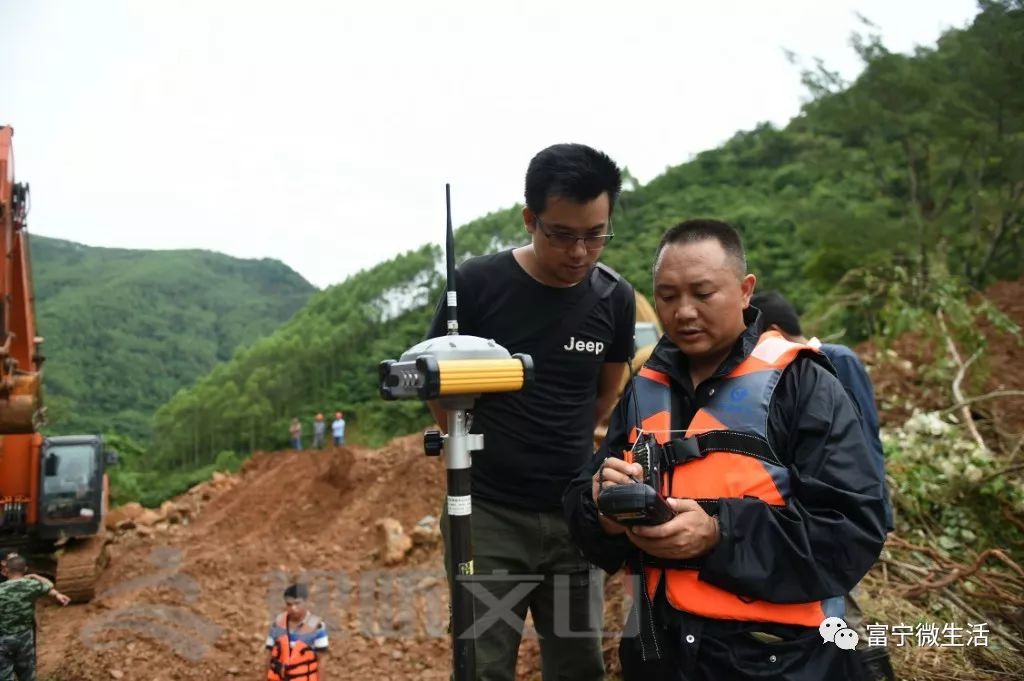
(322, 133)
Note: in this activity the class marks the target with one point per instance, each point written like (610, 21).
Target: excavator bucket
(19, 404)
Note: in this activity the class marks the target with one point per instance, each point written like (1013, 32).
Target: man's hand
(690, 534)
(613, 471)
(63, 599)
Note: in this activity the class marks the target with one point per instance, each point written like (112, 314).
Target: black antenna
(453, 315)
(638, 419)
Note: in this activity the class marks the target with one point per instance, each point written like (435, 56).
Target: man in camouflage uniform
(17, 620)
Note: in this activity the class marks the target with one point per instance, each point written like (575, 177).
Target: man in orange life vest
(777, 506)
(297, 640)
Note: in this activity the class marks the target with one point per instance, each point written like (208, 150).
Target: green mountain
(884, 200)
(125, 329)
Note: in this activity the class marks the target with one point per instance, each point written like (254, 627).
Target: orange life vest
(292, 661)
(725, 454)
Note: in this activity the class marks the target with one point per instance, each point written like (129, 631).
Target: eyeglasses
(567, 241)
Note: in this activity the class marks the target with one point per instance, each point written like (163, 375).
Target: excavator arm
(20, 357)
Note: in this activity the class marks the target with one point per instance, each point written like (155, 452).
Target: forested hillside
(125, 329)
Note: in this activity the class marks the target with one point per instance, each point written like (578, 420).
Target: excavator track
(79, 566)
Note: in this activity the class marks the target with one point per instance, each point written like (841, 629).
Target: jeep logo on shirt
(596, 347)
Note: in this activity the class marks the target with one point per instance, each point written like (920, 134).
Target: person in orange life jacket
(297, 641)
(778, 512)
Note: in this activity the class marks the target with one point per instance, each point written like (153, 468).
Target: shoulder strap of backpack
(603, 281)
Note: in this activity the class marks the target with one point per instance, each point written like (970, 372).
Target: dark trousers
(18, 657)
(722, 649)
(547, 576)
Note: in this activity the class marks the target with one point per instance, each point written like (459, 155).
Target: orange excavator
(53, 490)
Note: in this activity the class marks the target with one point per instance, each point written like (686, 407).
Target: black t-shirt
(536, 440)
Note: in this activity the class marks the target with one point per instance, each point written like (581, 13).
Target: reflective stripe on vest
(292, 662)
(738, 403)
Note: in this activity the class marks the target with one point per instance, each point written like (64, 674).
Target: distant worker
(338, 429)
(297, 640)
(296, 432)
(778, 314)
(319, 430)
(17, 619)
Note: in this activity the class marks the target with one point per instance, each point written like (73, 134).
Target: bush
(947, 484)
(227, 460)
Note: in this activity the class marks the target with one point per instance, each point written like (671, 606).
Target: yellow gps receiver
(454, 365)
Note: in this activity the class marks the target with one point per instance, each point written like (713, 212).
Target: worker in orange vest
(775, 508)
(297, 640)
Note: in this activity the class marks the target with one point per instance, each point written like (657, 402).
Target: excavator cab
(71, 486)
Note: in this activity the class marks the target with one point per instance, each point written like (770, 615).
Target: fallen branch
(905, 566)
(958, 380)
(997, 592)
(1009, 640)
(993, 593)
(954, 572)
(1016, 448)
(981, 398)
(955, 602)
(1004, 471)
(940, 558)
(933, 553)
(1012, 519)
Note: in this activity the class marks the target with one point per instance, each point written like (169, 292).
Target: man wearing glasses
(575, 317)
